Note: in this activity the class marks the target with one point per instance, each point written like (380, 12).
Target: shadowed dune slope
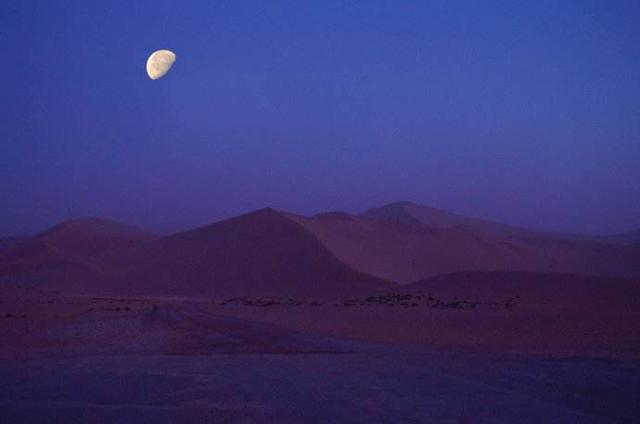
(262, 253)
(401, 251)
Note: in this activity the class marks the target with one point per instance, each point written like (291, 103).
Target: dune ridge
(397, 246)
(272, 253)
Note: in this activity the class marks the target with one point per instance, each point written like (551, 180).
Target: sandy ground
(251, 360)
(365, 386)
(529, 331)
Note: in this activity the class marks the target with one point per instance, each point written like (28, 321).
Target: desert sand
(271, 317)
(400, 248)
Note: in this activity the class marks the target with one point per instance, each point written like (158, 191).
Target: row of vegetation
(390, 299)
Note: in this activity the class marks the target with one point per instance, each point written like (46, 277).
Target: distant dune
(263, 253)
(81, 239)
(270, 253)
(8, 242)
(82, 255)
(424, 216)
(630, 237)
(405, 242)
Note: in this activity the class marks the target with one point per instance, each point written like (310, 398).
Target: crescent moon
(159, 63)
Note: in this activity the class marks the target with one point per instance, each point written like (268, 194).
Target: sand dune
(80, 255)
(261, 253)
(515, 346)
(81, 239)
(423, 216)
(258, 254)
(404, 250)
(630, 237)
(268, 253)
(9, 242)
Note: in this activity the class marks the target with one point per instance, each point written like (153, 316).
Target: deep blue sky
(526, 112)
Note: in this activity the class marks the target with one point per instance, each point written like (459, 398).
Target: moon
(159, 63)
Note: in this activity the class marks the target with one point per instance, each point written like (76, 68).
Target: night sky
(525, 112)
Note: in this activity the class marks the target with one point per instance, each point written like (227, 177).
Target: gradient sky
(526, 112)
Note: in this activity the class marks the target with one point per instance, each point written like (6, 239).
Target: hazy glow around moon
(159, 63)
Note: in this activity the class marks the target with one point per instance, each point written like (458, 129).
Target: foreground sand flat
(159, 360)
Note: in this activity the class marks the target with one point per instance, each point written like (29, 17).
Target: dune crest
(405, 242)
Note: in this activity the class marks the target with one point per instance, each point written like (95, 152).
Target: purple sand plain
(185, 364)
